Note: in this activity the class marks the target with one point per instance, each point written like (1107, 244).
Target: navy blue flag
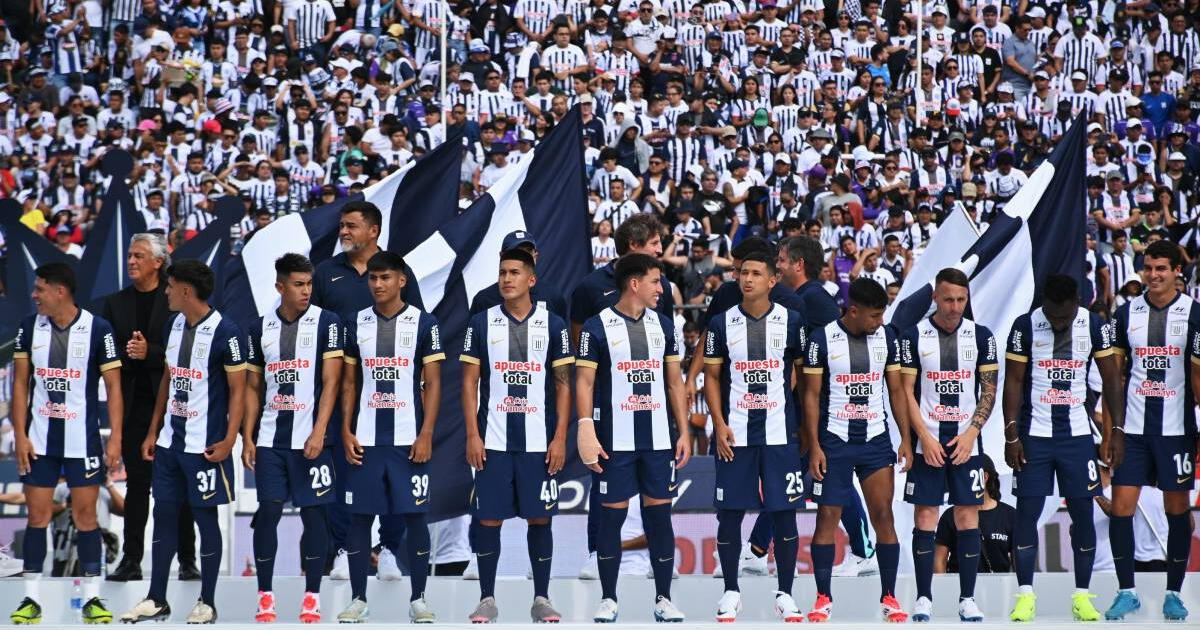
(545, 195)
(103, 271)
(211, 245)
(27, 250)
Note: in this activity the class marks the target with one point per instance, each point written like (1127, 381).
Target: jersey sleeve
(797, 337)
(350, 341)
(893, 362)
(815, 356)
(430, 349)
(715, 350)
(910, 360)
(233, 354)
(560, 351)
(24, 339)
(986, 351)
(1119, 336)
(591, 344)
(331, 335)
(1019, 339)
(1194, 333)
(105, 345)
(1101, 332)
(254, 356)
(673, 343)
(473, 349)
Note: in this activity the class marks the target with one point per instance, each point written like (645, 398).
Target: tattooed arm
(965, 441)
(556, 453)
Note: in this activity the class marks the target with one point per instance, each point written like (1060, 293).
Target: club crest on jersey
(879, 354)
(538, 343)
(968, 353)
(778, 341)
(1176, 329)
(656, 341)
(406, 339)
(306, 340)
(1083, 344)
(77, 351)
(201, 350)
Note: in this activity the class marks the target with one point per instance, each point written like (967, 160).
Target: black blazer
(120, 309)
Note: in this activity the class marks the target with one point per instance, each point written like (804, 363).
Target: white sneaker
(855, 566)
(750, 564)
(590, 570)
(9, 566)
(968, 610)
(729, 606)
(387, 570)
(356, 612)
(202, 613)
(786, 609)
(420, 612)
(922, 610)
(472, 570)
(606, 612)
(666, 612)
(341, 566)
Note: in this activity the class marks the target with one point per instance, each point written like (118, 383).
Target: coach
(541, 292)
(138, 314)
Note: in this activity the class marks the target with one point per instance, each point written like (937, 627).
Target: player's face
(755, 279)
(385, 285)
(1060, 316)
(175, 294)
(295, 290)
(1160, 275)
(868, 320)
(515, 279)
(652, 247)
(48, 297)
(951, 301)
(648, 288)
(355, 233)
(141, 262)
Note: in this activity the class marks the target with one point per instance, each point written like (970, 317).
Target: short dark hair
(368, 210)
(748, 246)
(634, 266)
(952, 275)
(866, 293)
(385, 261)
(194, 274)
(1164, 249)
(290, 263)
(636, 230)
(1059, 288)
(520, 255)
(58, 273)
(761, 256)
(809, 250)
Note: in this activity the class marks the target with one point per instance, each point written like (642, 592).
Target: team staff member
(1157, 337)
(138, 313)
(394, 348)
(340, 285)
(295, 366)
(1047, 430)
(997, 520)
(948, 368)
(627, 372)
(199, 411)
(748, 355)
(60, 356)
(541, 292)
(848, 363)
(517, 437)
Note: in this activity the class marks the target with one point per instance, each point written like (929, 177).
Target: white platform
(855, 599)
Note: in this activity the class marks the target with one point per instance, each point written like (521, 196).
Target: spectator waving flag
(211, 245)
(27, 250)
(1040, 232)
(103, 270)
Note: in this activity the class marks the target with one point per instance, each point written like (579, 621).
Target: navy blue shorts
(1072, 459)
(928, 485)
(179, 475)
(387, 482)
(46, 470)
(845, 459)
(514, 484)
(283, 474)
(627, 473)
(1165, 461)
(778, 471)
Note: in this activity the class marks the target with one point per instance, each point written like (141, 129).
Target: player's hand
(816, 463)
(932, 451)
(422, 448)
(314, 445)
(556, 455)
(219, 451)
(112, 453)
(249, 454)
(904, 453)
(354, 450)
(590, 451)
(1014, 454)
(476, 454)
(136, 346)
(683, 451)
(962, 445)
(148, 448)
(723, 435)
(25, 455)
(1112, 450)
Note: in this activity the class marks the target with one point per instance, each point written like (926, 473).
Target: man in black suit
(138, 314)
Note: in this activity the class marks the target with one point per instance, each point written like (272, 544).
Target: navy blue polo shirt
(729, 295)
(819, 306)
(598, 291)
(337, 286)
(490, 297)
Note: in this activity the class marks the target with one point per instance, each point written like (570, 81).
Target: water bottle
(76, 596)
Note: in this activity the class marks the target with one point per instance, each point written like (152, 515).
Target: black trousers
(139, 474)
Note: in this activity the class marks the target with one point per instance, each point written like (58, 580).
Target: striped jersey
(1055, 390)
(291, 357)
(197, 360)
(65, 366)
(516, 391)
(1157, 344)
(756, 358)
(311, 16)
(630, 394)
(854, 404)
(947, 365)
(389, 354)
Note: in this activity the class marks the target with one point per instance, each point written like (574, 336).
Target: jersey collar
(398, 313)
(201, 320)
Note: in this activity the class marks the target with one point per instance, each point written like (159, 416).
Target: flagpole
(918, 98)
(442, 66)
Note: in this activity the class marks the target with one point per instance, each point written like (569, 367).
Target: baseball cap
(1041, 74)
(1094, 127)
(1115, 174)
(1079, 20)
(1176, 156)
(270, 82)
(837, 54)
(527, 136)
(668, 32)
(1132, 101)
(1036, 12)
(396, 30)
(517, 238)
(820, 134)
(1005, 87)
(939, 9)
(1079, 75)
(861, 164)
(728, 131)
(736, 164)
(478, 46)
(1133, 122)
(957, 135)
(1116, 43)
(817, 171)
